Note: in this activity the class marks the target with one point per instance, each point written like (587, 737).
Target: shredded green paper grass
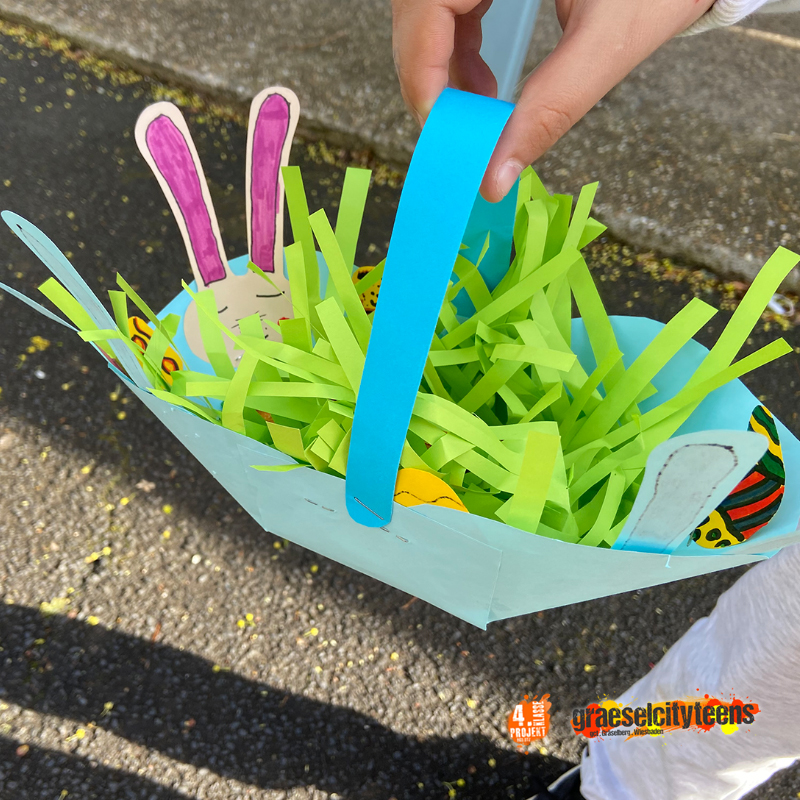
(505, 414)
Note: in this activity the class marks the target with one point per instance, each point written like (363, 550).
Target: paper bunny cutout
(166, 144)
(686, 478)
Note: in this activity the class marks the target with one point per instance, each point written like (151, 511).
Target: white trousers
(748, 646)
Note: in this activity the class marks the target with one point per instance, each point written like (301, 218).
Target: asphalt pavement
(698, 149)
(155, 642)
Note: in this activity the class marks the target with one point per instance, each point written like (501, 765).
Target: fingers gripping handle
(443, 179)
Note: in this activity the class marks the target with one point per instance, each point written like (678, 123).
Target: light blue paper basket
(475, 568)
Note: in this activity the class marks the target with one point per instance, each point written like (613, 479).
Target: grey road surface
(154, 641)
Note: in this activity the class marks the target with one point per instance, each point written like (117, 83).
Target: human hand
(437, 43)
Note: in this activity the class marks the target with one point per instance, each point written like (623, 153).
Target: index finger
(423, 43)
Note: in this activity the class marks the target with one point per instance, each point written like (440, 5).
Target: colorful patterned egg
(369, 299)
(753, 503)
(141, 333)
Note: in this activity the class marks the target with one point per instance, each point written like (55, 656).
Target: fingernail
(507, 175)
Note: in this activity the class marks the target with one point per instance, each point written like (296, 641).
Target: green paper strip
(493, 336)
(591, 231)
(470, 279)
(182, 402)
(295, 269)
(370, 279)
(170, 325)
(581, 215)
(331, 434)
(450, 418)
(277, 467)
(119, 305)
(671, 413)
(613, 492)
(99, 335)
(448, 448)
(601, 470)
(339, 461)
(661, 426)
(347, 349)
(233, 406)
(555, 359)
(500, 479)
(596, 321)
(748, 312)
(322, 391)
(351, 211)
(156, 350)
(516, 408)
(137, 301)
(524, 188)
(486, 388)
(72, 310)
(583, 395)
(447, 315)
(296, 333)
(211, 333)
(560, 207)
(512, 298)
(288, 440)
(133, 296)
(340, 275)
(667, 342)
(251, 328)
(296, 362)
(434, 382)
(538, 221)
(524, 509)
(301, 228)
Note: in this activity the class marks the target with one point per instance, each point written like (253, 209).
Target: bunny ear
(273, 119)
(166, 144)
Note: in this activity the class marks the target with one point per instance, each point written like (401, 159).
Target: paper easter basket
(477, 568)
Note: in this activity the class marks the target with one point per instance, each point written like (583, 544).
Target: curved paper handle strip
(439, 192)
(166, 144)
(273, 119)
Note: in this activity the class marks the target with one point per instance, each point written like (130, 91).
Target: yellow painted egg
(415, 487)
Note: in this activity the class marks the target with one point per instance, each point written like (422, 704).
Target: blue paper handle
(443, 179)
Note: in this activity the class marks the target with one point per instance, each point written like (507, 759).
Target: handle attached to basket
(443, 179)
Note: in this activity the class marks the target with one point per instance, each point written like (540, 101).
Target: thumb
(588, 61)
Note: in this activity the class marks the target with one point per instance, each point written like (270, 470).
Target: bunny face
(253, 296)
(164, 140)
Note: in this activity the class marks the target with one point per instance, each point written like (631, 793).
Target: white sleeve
(728, 12)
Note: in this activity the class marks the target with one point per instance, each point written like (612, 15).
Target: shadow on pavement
(176, 703)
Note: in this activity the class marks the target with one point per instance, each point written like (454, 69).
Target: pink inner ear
(174, 161)
(272, 126)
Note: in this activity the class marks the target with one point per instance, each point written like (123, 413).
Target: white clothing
(729, 12)
(750, 644)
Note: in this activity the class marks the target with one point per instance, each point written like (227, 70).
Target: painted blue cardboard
(687, 476)
(728, 408)
(477, 569)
